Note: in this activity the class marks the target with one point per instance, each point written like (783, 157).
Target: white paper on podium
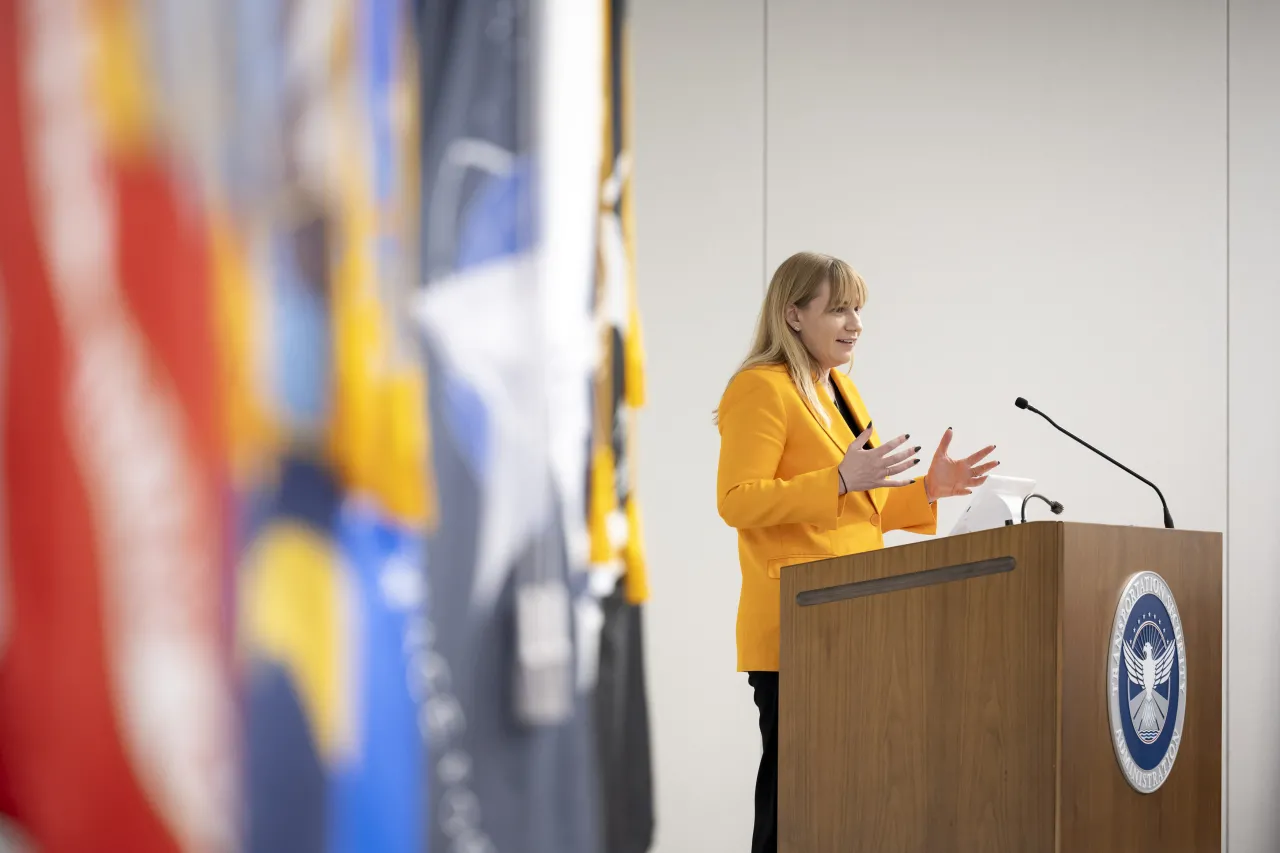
(997, 502)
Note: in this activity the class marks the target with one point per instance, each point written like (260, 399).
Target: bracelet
(844, 489)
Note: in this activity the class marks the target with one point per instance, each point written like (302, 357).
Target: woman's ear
(793, 318)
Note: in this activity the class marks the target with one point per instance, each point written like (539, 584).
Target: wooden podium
(953, 695)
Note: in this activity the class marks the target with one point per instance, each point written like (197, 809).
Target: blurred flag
(622, 716)
(622, 720)
(504, 310)
(297, 599)
(619, 387)
(380, 437)
(212, 218)
(210, 222)
(325, 214)
(116, 712)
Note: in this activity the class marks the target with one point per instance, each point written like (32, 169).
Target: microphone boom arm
(1168, 519)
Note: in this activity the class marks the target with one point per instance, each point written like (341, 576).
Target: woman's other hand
(863, 469)
(949, 477)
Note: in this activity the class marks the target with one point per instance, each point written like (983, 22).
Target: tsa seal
(1147, 681)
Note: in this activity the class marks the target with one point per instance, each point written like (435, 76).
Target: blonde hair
(796, 282)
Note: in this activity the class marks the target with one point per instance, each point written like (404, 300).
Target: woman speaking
(802, 475)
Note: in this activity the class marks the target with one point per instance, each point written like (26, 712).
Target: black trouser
(765, 837)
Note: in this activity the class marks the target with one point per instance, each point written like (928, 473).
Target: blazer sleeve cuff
(909, 509)
(826, 501)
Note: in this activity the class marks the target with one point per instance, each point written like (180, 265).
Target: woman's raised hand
(949, 477)
(866, 468)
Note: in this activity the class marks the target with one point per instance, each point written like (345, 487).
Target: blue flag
(512, 751)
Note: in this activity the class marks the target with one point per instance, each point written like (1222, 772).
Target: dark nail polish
(915, 461)
(917, 448)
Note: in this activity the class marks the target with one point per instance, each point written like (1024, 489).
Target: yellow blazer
(778, 485)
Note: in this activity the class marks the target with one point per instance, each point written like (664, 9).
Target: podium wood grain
(934, 700)
(1100, 811)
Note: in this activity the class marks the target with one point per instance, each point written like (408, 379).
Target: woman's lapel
(845, 386)
(833, 425)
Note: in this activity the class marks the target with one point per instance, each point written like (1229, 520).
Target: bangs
(847, 287)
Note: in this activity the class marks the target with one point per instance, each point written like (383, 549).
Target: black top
(845, 411)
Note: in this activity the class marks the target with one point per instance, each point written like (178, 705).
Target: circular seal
(1147, 681)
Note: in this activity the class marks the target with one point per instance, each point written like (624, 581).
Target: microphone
(1022, 403)
(1054, 507)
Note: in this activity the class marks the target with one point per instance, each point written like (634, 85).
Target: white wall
(1037, 195)
(1253, 545)
(699, 170)
(1029, 222)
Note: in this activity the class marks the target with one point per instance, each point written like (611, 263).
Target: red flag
(115, 711)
